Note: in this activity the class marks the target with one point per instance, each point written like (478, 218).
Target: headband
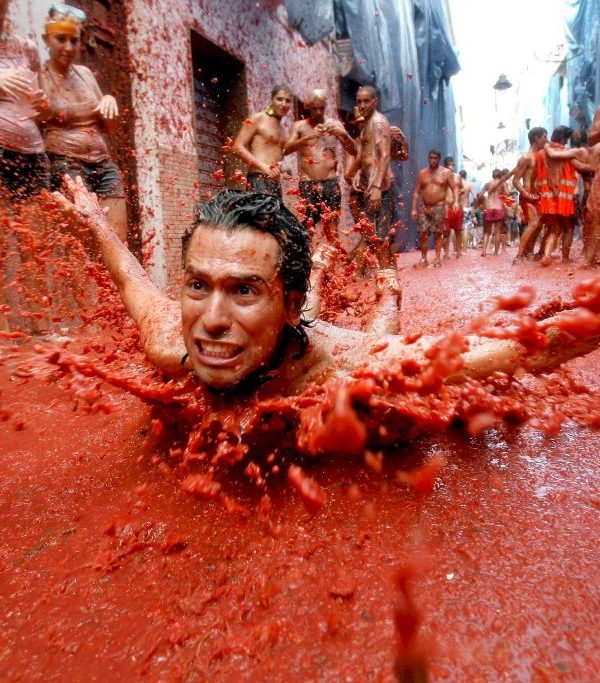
(64, 19)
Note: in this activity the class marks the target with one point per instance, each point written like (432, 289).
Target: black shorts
(259, 182)
(320, 196)
(23, 175)
(384, 218)
(102, 177)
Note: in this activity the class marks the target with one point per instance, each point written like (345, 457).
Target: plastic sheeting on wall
(313, 19)
(402, 47)
(583, 61)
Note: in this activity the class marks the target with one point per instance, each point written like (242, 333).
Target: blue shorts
(103, 177)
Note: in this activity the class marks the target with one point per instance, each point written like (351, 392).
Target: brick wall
(179, 192)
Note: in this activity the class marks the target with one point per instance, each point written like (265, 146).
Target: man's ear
(294, 301)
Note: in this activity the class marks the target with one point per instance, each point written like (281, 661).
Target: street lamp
(502, 83)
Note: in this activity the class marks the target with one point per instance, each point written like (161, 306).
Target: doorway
(219, 92)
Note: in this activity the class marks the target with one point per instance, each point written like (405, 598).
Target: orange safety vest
(562, 201)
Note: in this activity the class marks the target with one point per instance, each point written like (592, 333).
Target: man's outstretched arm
(157, 317)
(567, 335)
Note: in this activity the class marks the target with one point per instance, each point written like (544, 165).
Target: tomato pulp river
(110, 571)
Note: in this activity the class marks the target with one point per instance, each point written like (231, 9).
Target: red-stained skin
(135, 549)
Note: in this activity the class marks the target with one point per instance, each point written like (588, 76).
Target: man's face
(366, 103)
(316, 109)
(541, 141)
(281, 103)
(450, 166)
(233, 306)
(433, 160)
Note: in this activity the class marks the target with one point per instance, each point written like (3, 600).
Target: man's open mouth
(211, 352)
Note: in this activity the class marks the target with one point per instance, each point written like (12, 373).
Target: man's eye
(245, 290)
(196, 285)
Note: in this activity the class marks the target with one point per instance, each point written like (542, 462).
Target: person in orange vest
(555, 182)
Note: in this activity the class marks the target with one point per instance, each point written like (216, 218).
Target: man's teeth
(218, 351)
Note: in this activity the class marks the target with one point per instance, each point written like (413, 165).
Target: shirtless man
(493, 209)
(238, 326)
(432, 185)
(374, 180)
(260, 142)
(454, 219)
(521, 181)
(315, 140)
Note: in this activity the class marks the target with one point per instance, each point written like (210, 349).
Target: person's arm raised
(157, 317)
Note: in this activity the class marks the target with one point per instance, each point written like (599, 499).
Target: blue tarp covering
(583, 61)
(403, 47)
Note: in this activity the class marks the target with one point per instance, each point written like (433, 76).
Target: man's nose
(216, 317)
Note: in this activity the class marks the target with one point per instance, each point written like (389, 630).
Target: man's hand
(83, 204)
(273, 171)
(334, 128)
(14, 85)
(107, 108)
(375, 199)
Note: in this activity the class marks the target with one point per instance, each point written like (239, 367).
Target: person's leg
(553, 226)
(117, 214)
(567, 238)
(424, 240)
(530, 235)
(439, 238)
(487, 236)
(497, 230)
(321, 261)
(446, 243)
(385, 317)
(383, 220)
(458, 242)
(593, 249)
(105, 180)
(364, 229)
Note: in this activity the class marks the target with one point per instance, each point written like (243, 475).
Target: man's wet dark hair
(435, 152)
(233, 209)
(579, 138)
(280, 87)
(535, 133)
(561, 134)
(448, 160)
(462, 173)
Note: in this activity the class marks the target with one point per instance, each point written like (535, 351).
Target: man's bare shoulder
(259, 117)
(381, 124)
(527, 158)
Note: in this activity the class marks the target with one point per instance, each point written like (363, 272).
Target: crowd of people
(543, 200)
